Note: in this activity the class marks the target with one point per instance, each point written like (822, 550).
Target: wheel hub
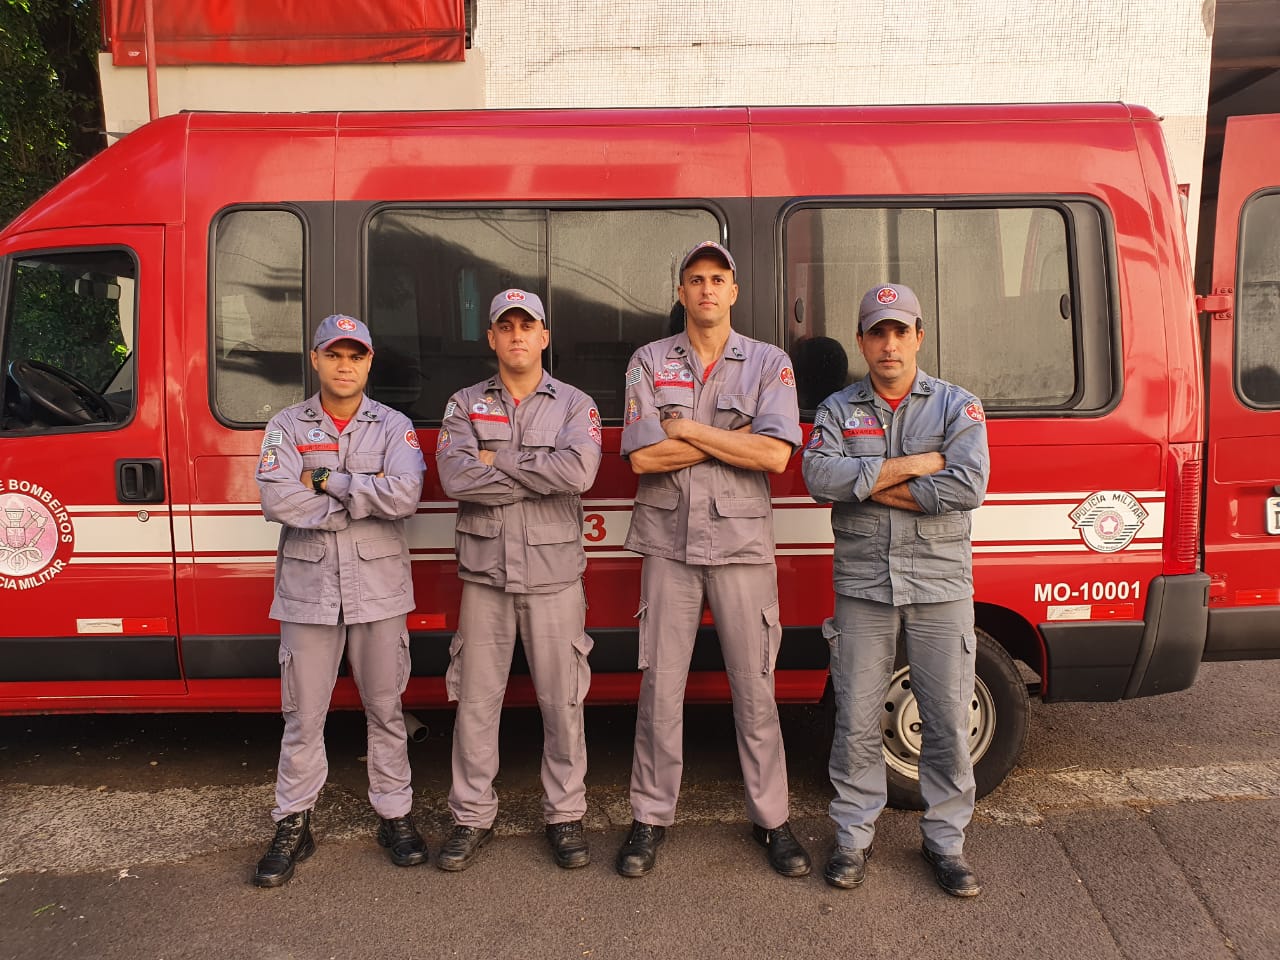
(901, 727)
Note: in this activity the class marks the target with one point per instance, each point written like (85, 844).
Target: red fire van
(158, 303)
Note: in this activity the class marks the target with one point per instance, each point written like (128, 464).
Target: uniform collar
(735, 348)
(370, 410)
(548, 385)
(923, 384)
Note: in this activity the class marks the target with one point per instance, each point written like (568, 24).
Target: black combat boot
(292, 844)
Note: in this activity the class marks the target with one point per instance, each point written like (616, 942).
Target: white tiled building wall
(571, 53)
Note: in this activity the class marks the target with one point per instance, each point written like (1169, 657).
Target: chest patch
(674, 373)
(489, 410)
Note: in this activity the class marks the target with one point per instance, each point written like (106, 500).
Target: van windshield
(68, 340)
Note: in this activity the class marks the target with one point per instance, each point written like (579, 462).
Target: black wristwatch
(318, 476)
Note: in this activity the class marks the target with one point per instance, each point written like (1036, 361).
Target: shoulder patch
(268, 462)
(442, 442)
(273, 439)
(450, 409)
(787, 376)
(820, 419)
(815, 441)
(973, 410)
(634, 375)
(411, 438)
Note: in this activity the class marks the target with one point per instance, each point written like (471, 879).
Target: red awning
(286, 32)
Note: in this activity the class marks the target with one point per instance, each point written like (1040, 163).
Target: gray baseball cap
(514, 299)
(889, 301)
(339, 326)
(708, 248)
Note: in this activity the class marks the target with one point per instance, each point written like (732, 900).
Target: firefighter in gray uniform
(903, 458)
(709, 415)
(517, 450)
(341, 472)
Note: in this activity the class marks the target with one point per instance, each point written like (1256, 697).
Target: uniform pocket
(489, 431)
(642, 639)
(299, 576)
(942, 547)
(453, 676)
(323, 458)
(555, 552)
(927, 443)
(538, 438)
(581, 670)
(383, 567)
(369, 463)
(742, 506)
(478, 547)
(664, 498)
(771, 633)
(288, 697)
(969, 645)
(734, 410)
(405, 668)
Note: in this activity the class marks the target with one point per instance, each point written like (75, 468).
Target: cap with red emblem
(341, 327)
(514, 299)
(889, 301)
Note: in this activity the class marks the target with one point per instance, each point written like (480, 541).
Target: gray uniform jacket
(519, 525)
(711, 513)
(344, 550)
(884, 553)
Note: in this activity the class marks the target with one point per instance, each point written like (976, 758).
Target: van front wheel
(998, 716)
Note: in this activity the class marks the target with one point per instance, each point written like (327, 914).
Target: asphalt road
(1142, 829)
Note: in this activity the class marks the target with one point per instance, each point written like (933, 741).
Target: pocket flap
(478, 526)
(829, 629)
(922, 444)
(561, 532)
(664, 498)
(376, 549)
(584, 644)
(309, 550)
(674, 396)
(491, 430)
(538, 438)
(770, 614)
(364, 463)
(743, 403)
(742, 506)
(947, 527)
(859, 524)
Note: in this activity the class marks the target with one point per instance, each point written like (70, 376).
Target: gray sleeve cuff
(643, 433)
(338, 485)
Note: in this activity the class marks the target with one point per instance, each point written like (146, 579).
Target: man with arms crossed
(709, 415)
(341, 473)
(903, 458)
(516, 451)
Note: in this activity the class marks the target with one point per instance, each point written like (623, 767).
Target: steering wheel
(60, 394)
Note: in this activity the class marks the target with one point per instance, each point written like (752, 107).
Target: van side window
(1013, 297)
(69, 332)
(607, 277)
(258, 362)
(1258, 306)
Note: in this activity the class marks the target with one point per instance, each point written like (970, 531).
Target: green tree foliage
(50, 103)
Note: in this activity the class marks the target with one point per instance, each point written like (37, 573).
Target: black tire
(1000, 711)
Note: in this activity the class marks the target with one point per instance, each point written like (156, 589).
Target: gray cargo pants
(941, 649)
(309, 657)
(551, 629)
(744, 602)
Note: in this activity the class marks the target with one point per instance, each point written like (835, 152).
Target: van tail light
(1182, 509)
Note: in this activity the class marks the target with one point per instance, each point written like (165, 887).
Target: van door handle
(140, 481)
